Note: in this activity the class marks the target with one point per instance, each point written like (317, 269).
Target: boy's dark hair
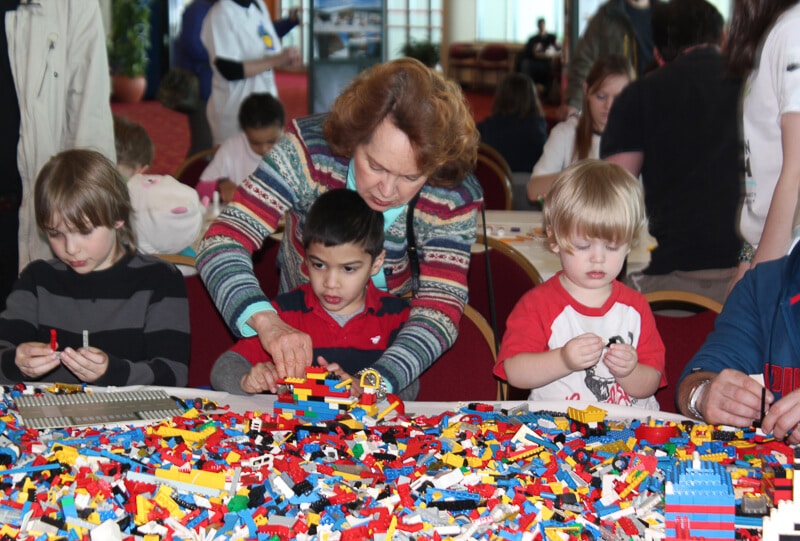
(342, 216)
(680, 24)
(261, 110)
(134, 147)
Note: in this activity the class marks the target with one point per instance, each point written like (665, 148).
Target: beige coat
(57, 50)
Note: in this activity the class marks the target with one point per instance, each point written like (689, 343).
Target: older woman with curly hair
(402, 137)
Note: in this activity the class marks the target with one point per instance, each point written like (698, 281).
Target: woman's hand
(290, 349)
(88, 364)
(582, 352)
(262, 377)
(35, 359)
(621, 360)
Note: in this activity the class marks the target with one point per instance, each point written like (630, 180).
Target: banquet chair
(683, 320)
(462, 58)
(512, 276)
(493, 58)
(190, 170)
(489, 152)
(464, 372)
(210, 335)
(496, 184)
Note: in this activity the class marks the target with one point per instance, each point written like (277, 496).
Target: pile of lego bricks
(475, 473)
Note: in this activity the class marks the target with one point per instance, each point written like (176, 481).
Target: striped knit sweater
(301, 167)
(136, 311)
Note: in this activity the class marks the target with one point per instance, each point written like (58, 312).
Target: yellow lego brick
(143, 508)
(348, 476)
(66, 454)
(232, 457)
(392, 528)
(714, 457)
(28, 487)
(187, 435)
(474, 462)
(312, 519)
(451, 431)
(194, 477)
(556, 488)
(152, 537)
(453, 460)
(547, 513)
(291, 381)
(562, 423)
(164, 499)
(79, 531)
(191, 414)
(569, 460)
(614, 447)
(94, 518)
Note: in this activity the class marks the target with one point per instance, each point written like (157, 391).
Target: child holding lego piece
(349, 320)
(582, 335)
(133, 306)
(261, 117)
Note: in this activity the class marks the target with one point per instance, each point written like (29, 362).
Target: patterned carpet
(169, 130)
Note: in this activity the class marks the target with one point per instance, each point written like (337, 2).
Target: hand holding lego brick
(621, 359)
(582, 352)
(88, 364)
(731, 397)
(783, 418)
(35, 359)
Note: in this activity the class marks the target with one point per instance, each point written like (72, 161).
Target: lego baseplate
(101, 408)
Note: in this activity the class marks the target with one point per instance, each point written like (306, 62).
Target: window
(515, 20)
(412, 20)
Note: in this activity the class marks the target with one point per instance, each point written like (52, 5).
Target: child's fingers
(263, 377)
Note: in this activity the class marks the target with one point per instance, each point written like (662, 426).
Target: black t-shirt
(684, 118)
(10, 181)
(519, 141)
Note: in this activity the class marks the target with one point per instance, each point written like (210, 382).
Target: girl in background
(578, 137)
(516, 128)
(764, 47)
(100, 312)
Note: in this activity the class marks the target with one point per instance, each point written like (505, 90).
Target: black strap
(490, 287)
(411, 240)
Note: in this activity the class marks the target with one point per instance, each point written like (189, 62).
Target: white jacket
(57, 50)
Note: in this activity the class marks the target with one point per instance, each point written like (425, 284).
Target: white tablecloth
(523, 230)
(263, 403)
